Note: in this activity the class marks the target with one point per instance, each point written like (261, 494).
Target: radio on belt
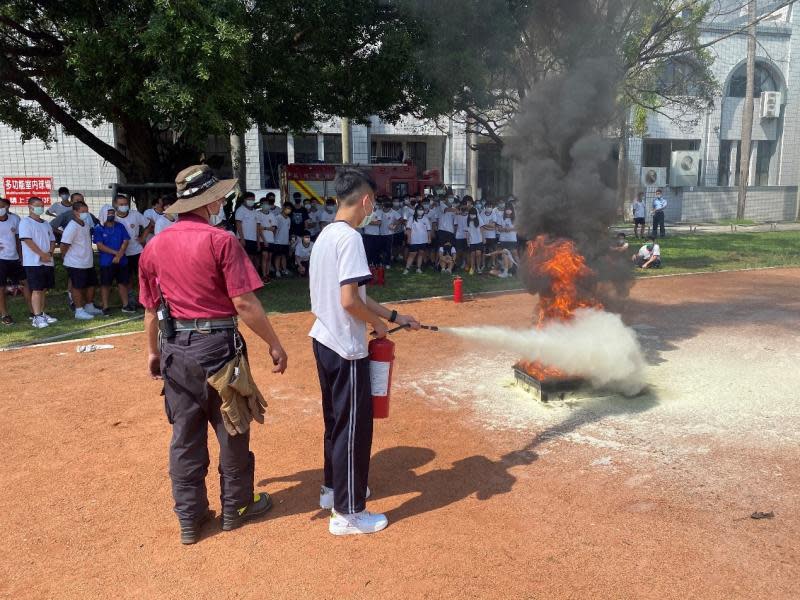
(381, 361)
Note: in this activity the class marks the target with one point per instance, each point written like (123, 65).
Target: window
(679, 79)
(725, 156)
(333, 148)
(763, 81)
(765, 152)
(305, 148)
(393, 150)
(656, 153)
(418, 153)
(275, 155)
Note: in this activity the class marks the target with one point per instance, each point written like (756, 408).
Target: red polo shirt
(199, 267)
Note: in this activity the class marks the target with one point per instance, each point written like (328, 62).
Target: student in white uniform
(152, 214)
(488, 221)
(460, 220)
(390, 220)
(138, 228)
(639, 211)
(247, 227)
(507, 232)
(327, 214)
(338, 272)
(474, 241)
(64, 206)
(280, 250)
(372, 238)
(447, 257)
(11, 271)
(314, 211)
(78, 255)
(266, 231)
(418, 232)
(649, 255)
(302, 253)
(38, 244)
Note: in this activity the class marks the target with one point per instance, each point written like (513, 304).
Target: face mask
(367, 218)
(649, 246)
(425, 205)
(110, 218)
(38, 210)
(395, 205)
(87, 218)
(420, 213)
(306, 206)
(64, 197)
(249, 203)
(3, 212)
(265, 209)
(508, 213)
(123, 209)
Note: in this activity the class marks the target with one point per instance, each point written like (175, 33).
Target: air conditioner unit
(654, 177)
(684, 168)
(770, 105)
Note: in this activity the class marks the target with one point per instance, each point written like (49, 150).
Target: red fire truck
(315, 180)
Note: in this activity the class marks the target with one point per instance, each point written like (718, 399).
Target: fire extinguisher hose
(401, 327)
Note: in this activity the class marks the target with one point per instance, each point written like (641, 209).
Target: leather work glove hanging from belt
(241, 399)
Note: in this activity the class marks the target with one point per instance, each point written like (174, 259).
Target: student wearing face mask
(247, 227)
(389, 224)
(138, 228)
(338, 273)
(372, 237)
(312, 206)
(267, 225)
(507, 232)
(328, 214)
(11, 270)
(280, 251)
(203, 276)
(76, 250)
(649, 255)
(63, 206)
(299, 216)
(488, 223)
(38, 244)
(460, 221)
(418, 236)
(112, 239)
(474, 241)
(166, 219)
(399, 237)
(302, 253)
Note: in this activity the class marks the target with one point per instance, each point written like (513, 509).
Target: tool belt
(205, 325)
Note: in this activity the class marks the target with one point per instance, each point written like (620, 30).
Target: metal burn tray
(549, 389)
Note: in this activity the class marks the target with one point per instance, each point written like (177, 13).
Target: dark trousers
(347, 410)
(386, 249)
(187, 360)
(658, 223)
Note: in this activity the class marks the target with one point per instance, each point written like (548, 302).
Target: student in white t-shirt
(280, 250)
(418, 233)
(327, 214)
(78, 255)
(460, 220)
(302, 253)
(247, 227)
(390, 224)
(507, 231)
(488, 220)
(639, 211)
(447, 257)
(65, 204)
(152, 214)
(138, 228)
(312, 206)
(266, 231)
(11, 270)
(38, 244)
(649, 255)
(338, 272)
(372, 236)
(474, 241)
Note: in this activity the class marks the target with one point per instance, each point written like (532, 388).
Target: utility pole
(346, 154)
(622, 164)
(747, 115)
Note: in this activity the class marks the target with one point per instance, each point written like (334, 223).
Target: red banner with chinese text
(18, 189)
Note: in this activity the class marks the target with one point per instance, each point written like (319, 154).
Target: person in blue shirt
(112, 240)
(659, 204)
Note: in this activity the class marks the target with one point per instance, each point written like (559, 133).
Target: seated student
(302, 253)
(447, 257)
(111, 239)
(620, 244)
(649, 255)
(506, 261)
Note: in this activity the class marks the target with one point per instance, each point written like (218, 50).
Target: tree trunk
(622, 165)
(747, 115)
(238, 158)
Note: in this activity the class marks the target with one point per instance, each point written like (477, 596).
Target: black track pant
(187, 360)
(347, 410)
(658, 223)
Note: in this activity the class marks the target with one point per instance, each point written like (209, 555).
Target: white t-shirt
(461, 226)
(646, 254)
(41, 234)
(301, 251)
(162, 223)
(419, 230)
(447, 221)
(326, 217)
(313, 221)
(452, 252)
(474, 234)
(639, 210)
(388, 220)
(79, 238)
(507, 236)
(374, 225)
(132, 222)
(488, 222)
(338, 259)
(9, 230)
(58, 208)
(248, 217)
(152, 215)
(434, 214)
(267, 222)
(282, 234)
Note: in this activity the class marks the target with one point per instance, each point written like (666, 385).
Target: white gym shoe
(82, 315)
(39, 322)
(362, 522)
(405, 272)
(326, 497)
(50, 320)
(92, 309)
(419, 271)
(503, 274)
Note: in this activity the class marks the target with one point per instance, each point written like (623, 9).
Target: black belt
(205, 325)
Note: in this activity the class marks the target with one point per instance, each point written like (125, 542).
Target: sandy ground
(489, 495)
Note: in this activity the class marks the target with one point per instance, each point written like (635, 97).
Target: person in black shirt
(299, 217)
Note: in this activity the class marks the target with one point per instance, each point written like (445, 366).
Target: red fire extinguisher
(381, 361)
(380, 272)
(458, 290)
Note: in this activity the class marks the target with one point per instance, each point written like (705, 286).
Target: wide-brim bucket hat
(197, 186)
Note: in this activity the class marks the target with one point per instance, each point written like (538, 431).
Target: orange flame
(559, 261)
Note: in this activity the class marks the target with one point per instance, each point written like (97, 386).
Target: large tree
(170, 73)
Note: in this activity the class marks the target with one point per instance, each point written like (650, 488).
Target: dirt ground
(489, 495)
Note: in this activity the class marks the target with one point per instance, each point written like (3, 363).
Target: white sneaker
(326, 497)
(405, 272)
(503, 275)
(419, 271)
(92, 309)
(82, 315)
(50, 320)
(277, 274)
(362, 522)
(285, 272)
(39, 322)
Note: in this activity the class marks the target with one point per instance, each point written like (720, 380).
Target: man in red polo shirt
(204, 278)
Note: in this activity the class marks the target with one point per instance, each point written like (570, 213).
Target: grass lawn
(681, 254)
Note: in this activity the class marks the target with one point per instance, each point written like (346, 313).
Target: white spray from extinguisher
(595, 345)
